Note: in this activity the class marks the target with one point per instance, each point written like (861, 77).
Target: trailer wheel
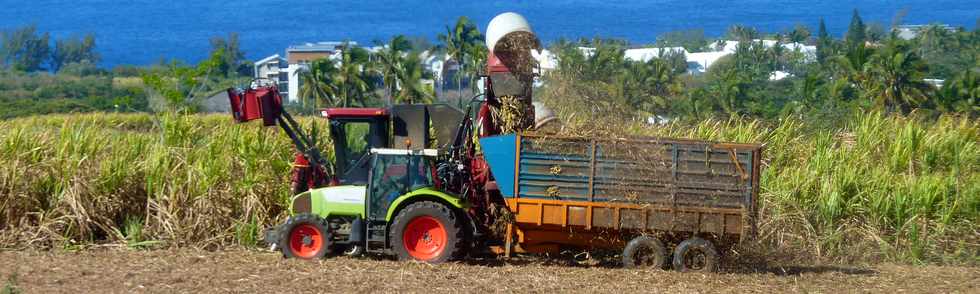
(305, 236)
(427, 231)
(645, 252)
(696, 255)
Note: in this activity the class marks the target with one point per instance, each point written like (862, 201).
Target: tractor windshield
(393, 176)
(352, 139)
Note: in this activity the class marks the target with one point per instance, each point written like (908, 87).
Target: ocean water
(145, 31)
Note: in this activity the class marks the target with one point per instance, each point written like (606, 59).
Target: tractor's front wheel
(427, 231)
(305, 236)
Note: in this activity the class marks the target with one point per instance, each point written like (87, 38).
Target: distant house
(274, 68)
(908, 32)
(646, 54)
(699, 62)
(298, 57)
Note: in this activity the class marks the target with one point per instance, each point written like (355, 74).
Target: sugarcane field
(514, 152)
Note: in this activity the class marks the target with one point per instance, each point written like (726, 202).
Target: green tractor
(383, 194)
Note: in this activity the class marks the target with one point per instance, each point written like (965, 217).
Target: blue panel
(499, 153)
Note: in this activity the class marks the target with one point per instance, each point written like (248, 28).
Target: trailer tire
(696, 255)
(305, 236)
(428, 231)
(645, 252)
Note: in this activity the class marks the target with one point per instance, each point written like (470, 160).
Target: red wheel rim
(424, 238)
(305, 241)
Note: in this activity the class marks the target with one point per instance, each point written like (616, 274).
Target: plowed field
(115, 271)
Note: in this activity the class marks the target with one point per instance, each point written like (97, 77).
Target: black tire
(645, 252)
(308, 247)
(696, 255)
(455, 233)
(351, 250)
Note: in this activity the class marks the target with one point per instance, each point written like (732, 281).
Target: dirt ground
(115, 271)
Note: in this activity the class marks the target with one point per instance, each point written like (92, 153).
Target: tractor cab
(355, 131)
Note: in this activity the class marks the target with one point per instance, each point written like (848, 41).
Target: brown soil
(114, 271)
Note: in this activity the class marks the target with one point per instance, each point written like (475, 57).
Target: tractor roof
(353, 112)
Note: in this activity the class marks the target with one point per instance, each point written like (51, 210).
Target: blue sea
(146, 31)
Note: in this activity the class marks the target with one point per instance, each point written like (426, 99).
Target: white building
(909, 32)
(646, 54)
(274, 68)
(285, 71)
(699, 62)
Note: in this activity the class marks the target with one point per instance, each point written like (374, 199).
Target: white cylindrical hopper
(505, 23)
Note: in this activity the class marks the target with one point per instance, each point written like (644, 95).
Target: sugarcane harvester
(434, 184)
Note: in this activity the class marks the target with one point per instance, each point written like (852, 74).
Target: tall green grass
(117, 178)
(878, 188)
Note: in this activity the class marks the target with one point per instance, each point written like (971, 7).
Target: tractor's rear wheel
(428, 231)
(305, 236)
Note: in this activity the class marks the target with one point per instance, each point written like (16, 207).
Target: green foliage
(610, 83)
(74, 50)
(180, 86)
(692, 40)
(825, 44)
(799, 34)
(742, 33)
(895, 77)
(317, 83)
(23, 49)
(463, 42)
(960, 94)
(353, 77)
(856, 31)
(24, 94)
(410, 76)
(232, 62)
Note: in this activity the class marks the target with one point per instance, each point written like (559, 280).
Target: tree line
(39, 75)
(26, 49)
(937, 71)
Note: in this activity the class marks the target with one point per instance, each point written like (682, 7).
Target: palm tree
(895, 77)
(649, 85)
(351, 78)
(852, 65)
(961, 94)
(476, 63)
(800, 34)
(933, 38)
(742, 33)
(412, 89)
(728, 90)
(808, 92)
(390, 64)
(316, 82)
(457, 42)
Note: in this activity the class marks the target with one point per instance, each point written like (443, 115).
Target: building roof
(646, 54)
(704, 60)
(318, 47)
(275, 57)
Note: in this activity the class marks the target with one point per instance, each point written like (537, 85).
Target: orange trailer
(643, 195)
